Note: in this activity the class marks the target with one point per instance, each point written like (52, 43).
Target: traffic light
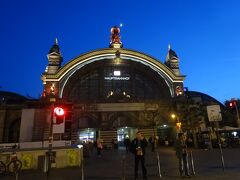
(232, 103)
(59, 115)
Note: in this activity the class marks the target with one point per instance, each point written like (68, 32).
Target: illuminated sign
(117, 73)
(117, 78)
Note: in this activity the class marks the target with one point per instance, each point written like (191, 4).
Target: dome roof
(172, 54)
(206, 99)
(55, 48)
(11, 97)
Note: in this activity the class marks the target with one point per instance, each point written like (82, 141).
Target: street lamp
(173, 116)
(178, 123)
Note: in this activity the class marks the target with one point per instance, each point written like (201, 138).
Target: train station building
(109, 93)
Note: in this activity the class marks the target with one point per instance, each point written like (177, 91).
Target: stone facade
(10, 119)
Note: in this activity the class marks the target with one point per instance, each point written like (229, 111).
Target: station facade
(114, 90)
(109, 93)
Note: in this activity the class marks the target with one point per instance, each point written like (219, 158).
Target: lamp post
(50, 137)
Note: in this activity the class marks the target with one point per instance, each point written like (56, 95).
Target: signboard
(27, 161)
(117, 78)
(59, 128)
(214, 113)
(73, 158)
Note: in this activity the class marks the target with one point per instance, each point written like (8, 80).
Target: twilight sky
(204, 33)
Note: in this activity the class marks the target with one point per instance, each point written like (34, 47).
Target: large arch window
(107, 82)
(85, 87)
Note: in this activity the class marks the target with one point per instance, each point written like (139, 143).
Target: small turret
(54, 59)
(172, 61)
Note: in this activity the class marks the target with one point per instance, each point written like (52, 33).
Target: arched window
(107, 82)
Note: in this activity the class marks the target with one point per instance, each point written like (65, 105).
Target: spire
(55, 48)
(172, 60)
(171, 54)
(56, 41)
(54, 58)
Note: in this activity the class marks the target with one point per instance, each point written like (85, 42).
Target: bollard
(82, 170)
(159, 165)
(16, 175)
(123, 168)
(192, 163)
(222, 158)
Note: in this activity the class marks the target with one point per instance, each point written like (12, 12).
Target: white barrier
(34, 145)
(37, 158)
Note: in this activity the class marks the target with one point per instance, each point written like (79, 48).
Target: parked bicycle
(14, 166)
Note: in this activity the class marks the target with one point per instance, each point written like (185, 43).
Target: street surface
(109, 166)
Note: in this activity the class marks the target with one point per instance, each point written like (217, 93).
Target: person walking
(181, 152)
(138, 146)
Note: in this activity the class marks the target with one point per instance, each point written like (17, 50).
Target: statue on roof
(115, 35)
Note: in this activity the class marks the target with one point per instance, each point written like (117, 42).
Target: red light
(59, 111)
(232, 103)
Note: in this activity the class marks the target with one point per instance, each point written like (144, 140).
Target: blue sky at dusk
(204, 33)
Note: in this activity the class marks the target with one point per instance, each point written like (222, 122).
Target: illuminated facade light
(117, 73)
(179, 125)
(111, 93)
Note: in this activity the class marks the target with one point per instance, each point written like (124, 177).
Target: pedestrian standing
(99, 147)
(138, 146)
(181, 152)
(127, 143)
(151, 140)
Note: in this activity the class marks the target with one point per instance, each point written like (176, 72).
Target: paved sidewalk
(207, 165)
(109, 166)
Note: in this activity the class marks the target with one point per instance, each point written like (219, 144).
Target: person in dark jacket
(152, 142)
(138, 146)
(127, 143)
(181, 152)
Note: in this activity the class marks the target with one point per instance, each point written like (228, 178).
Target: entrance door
(125, 132)
(87, 135)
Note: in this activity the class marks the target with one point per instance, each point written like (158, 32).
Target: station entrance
(125, 132)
